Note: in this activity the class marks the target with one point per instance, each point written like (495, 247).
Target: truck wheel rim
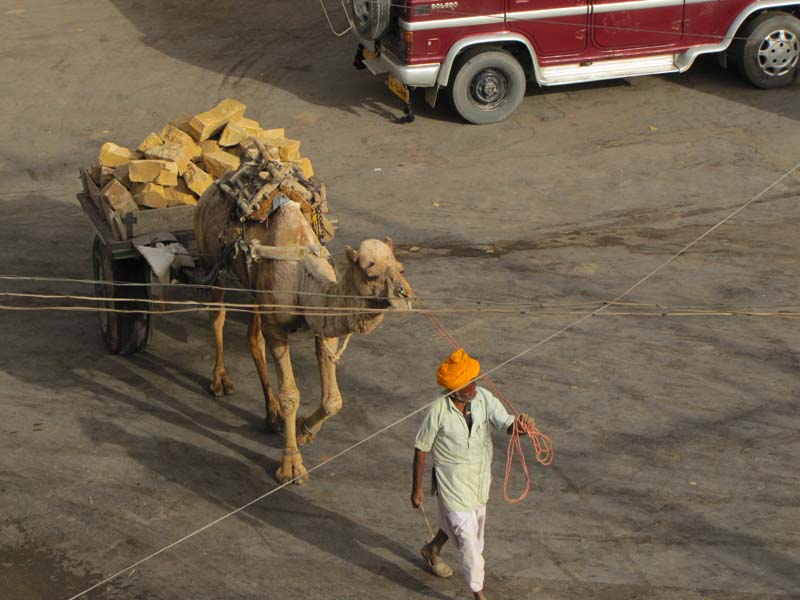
(488, 89)
(778, 53)
(361, 11)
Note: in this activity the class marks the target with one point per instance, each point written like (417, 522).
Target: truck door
(629, 24)
(555, 27)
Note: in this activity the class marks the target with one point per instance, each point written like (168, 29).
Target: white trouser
(466, 529)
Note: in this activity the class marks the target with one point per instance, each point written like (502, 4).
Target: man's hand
(416, 497)
(527, 419)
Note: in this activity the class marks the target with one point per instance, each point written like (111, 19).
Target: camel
(373, 281)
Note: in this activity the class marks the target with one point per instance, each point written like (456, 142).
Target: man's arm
(419, 468)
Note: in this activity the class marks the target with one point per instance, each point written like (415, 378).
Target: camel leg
(288, 401)
(258, 352)
(331, 397)
(221, 383)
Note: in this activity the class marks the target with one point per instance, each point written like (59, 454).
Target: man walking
(456, 430)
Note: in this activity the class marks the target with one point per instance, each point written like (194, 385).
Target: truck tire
(768, 56)
(371, 17)
(488, 86)
(123, 333)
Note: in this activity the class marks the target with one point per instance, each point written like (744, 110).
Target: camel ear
(388, 241)
(351, 254)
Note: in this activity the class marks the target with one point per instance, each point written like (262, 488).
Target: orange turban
(457, 370)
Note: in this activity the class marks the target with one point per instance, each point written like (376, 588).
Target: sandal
(437, 565)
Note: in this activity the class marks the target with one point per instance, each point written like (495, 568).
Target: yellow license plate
(399, 89)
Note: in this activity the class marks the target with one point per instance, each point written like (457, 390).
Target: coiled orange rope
(542, 444)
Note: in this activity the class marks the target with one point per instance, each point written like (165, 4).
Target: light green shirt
(463, 460)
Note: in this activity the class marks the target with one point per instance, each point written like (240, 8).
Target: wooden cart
(116, 261)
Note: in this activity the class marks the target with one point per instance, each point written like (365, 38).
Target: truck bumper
(411, 75)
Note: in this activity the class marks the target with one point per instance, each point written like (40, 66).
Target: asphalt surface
(677, 445)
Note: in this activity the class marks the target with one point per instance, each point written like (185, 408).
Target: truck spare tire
(371, 17)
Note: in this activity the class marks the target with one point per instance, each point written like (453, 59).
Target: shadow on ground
(208, 474)
(708, 77)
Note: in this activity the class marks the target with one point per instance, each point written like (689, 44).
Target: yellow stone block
(197, 180)
(171, 151)
(122, 174)
(209, 146)
(305, 167)
(236, 131)
(149, 195)
(162, 172)
(274, 133)
(112, 155)
(180, 195)
(251, 152)
(170, 133)
(288, 150)
(118, 197)
(169, 174)
(248, 150)
(182, 123)
(151, 141)
(220, 162)
(206, 124)
(102, 175)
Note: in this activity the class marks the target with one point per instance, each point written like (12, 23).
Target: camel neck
(344, 294)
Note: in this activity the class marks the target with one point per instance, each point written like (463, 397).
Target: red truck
(484, 52)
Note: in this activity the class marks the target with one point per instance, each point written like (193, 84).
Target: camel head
(378, 275)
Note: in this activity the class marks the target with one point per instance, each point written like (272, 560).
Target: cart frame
(115, 261)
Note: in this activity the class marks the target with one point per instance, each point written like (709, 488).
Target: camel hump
(291, 226)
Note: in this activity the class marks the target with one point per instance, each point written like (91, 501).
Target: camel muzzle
(404, 297)
(379, 303)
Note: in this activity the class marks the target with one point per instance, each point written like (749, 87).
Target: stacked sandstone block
(176, 165)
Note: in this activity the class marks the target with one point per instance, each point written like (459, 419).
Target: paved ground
(676, 438)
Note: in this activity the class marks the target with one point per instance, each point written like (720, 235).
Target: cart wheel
(124, 333)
